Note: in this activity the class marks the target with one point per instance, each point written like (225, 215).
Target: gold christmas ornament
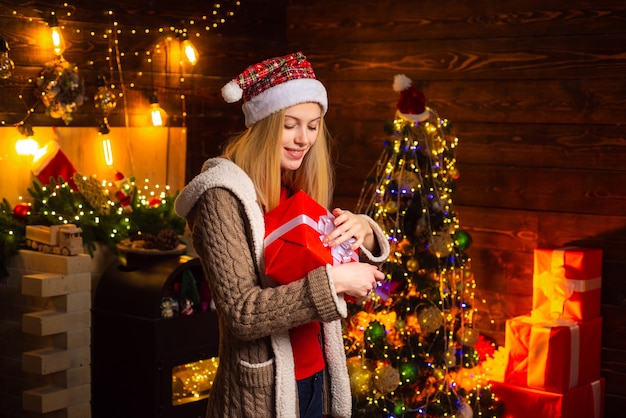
(467, 336)
(412, 265)
(430, 319)
(360, 376)
(442, 244)
(391, 207)
(386, 379)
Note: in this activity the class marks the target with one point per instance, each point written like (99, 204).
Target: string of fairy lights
(64, 22)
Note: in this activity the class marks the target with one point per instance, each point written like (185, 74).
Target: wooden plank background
(535, 90)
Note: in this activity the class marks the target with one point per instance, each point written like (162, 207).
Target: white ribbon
(342, 253)
(551, 287)
(596, 388)
(539, 345)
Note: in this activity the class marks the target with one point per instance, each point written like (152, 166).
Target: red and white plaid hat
(275, 84)
(412, 102)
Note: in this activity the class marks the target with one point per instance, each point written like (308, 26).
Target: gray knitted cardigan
(256, 373)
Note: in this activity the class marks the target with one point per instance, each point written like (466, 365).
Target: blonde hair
(257, 151)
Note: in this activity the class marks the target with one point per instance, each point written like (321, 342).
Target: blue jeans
(310, 396)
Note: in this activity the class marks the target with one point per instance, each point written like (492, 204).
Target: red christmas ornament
(21, 210)
(154, 202)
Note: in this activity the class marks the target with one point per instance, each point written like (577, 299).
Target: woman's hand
(348, 225)
(356, 279)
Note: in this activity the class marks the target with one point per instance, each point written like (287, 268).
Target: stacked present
(553, 367)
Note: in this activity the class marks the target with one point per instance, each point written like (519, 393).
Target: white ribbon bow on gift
(342, 253)
(555, 287)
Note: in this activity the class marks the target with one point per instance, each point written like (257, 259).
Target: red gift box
(567, 282)
(294, 231)
(553, 356)
(585, 401)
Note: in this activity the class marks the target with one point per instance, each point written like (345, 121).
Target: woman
(281, 349)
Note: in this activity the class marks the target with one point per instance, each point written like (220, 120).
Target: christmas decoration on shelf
(99, 215)
(61, 89)
(412, 349)
(56, 239)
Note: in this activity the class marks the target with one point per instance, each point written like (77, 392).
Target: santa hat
(273, 85)
(412, 102)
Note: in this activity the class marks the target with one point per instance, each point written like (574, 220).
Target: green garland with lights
(60, 202)
(9, 241)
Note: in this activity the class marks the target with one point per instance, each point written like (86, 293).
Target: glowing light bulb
(190, 52)
(6, 64)
(157, 114)
(57, 38)
(106, 143)
(26, 145)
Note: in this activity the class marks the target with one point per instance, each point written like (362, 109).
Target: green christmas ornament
(399, 408)
(375, 331)
(408, 372)
(463, 239)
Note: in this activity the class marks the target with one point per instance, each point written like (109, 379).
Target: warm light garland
(63, 20)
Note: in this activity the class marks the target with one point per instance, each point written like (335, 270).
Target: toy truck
(55, 239)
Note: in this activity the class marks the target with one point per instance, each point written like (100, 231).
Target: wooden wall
(537, 95)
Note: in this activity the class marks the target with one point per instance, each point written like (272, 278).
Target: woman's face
(300, 129)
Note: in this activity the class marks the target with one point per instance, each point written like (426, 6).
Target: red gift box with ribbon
(294, 231)
(567, 282)
(586, 401)
(553, 356)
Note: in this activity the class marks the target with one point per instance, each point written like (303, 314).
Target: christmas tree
(412, 348)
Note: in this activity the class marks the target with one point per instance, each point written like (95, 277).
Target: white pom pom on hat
(401, 82)
(231, 92)
(275, 84)
(412, 102)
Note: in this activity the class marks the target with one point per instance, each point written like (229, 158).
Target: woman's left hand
(348, 225)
